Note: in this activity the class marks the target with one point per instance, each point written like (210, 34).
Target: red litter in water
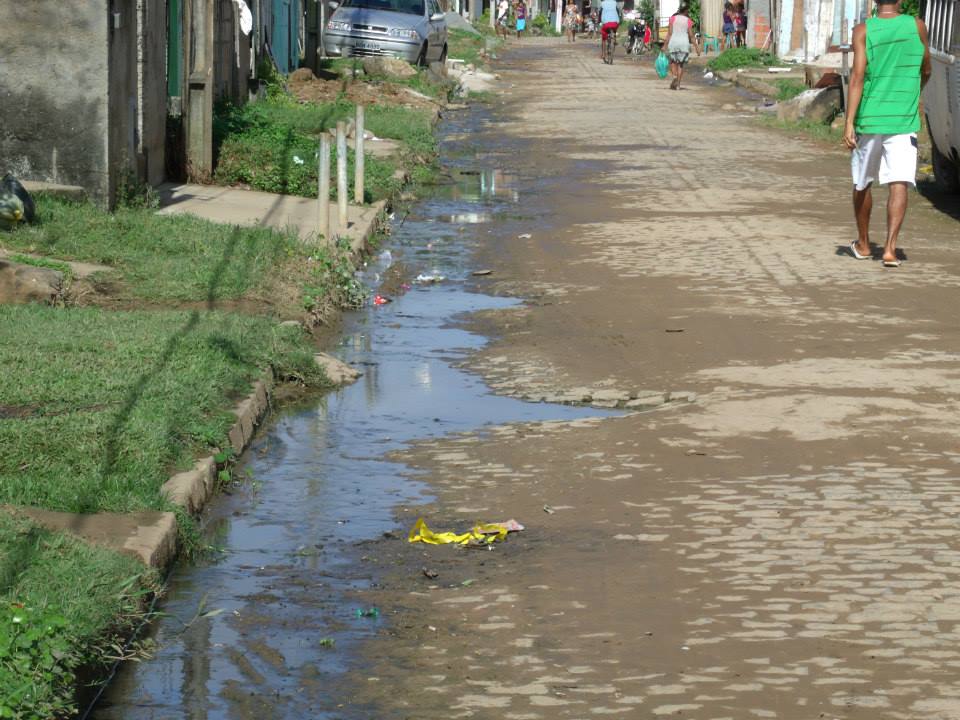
(381, 300)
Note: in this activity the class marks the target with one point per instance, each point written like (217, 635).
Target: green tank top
(891, 89)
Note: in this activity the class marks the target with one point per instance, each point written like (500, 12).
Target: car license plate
(364, 45)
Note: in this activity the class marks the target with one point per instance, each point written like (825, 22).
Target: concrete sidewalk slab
(250, 208)
(150, 536)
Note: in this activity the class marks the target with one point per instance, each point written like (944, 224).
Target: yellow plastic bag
(485, 533)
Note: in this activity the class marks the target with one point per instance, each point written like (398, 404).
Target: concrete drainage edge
(192, 489)
(152, 536)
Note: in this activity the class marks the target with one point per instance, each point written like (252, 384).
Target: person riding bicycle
(609, 21)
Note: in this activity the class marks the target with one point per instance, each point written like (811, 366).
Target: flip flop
(891, 263)
(856, 253)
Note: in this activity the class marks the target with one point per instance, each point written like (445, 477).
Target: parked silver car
(412, 30)
(941, 97)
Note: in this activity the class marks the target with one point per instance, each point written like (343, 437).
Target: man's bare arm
(855, 91)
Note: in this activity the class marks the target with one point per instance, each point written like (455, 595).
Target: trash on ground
(16, 204)
(548, 510)
(327, 642)
(432, 574)
(481, 534)
(478, 273)
(381, 300)
(525, 236)
(674, 329)
(468, 582)
(423, 279)
(369, 613)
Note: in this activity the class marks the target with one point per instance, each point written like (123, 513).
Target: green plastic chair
(708, 41)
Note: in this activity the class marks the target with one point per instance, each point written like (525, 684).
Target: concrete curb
(153, 536)
(192, 488)
(753, 84)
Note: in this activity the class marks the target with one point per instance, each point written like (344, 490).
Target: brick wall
(761, 28)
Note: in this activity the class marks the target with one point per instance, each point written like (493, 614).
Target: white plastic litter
(424, 279)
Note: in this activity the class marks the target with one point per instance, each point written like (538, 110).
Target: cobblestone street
(777, 540)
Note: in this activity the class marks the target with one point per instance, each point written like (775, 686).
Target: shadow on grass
(18, 556)
(138, 387)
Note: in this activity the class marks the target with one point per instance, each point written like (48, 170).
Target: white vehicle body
(941, 97)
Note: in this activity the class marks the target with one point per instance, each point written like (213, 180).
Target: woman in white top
(680, 38)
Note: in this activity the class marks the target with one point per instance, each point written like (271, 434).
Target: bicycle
(608, 47)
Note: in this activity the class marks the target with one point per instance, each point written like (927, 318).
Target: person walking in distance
(679, 40)
(503, 17)
(570, 21)
(521, 14)
(891, 65)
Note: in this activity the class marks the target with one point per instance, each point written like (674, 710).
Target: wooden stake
(358, 178)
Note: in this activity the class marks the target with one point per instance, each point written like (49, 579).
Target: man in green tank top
(891, 65)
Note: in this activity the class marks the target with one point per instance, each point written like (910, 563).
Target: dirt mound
(362, 93)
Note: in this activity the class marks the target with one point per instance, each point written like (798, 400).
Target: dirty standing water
(264, 627)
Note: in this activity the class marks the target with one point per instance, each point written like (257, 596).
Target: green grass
(271, 145)
(818, 131)
(101, 406)
(466, 46)
(732, 58)
(159, 258)
(789, 88)
(62, 603)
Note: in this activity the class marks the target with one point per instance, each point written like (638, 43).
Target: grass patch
(272, 145)
(97, 408)
(42, 262)
(464, 45)
(816, 130)
(789, 88)
(741, 57)
(543, 26)
(160, 258)
(62, 603)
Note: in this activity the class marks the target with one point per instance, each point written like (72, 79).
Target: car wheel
(944, 170)
(443, 56)
(422, 57)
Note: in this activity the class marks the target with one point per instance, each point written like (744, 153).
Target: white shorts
(884, 158)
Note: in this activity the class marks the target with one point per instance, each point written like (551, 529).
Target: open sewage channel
(267, 623)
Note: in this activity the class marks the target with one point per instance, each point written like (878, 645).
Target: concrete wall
(54, 92)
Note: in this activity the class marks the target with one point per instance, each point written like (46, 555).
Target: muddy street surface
(731, 444)
(780, 541)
